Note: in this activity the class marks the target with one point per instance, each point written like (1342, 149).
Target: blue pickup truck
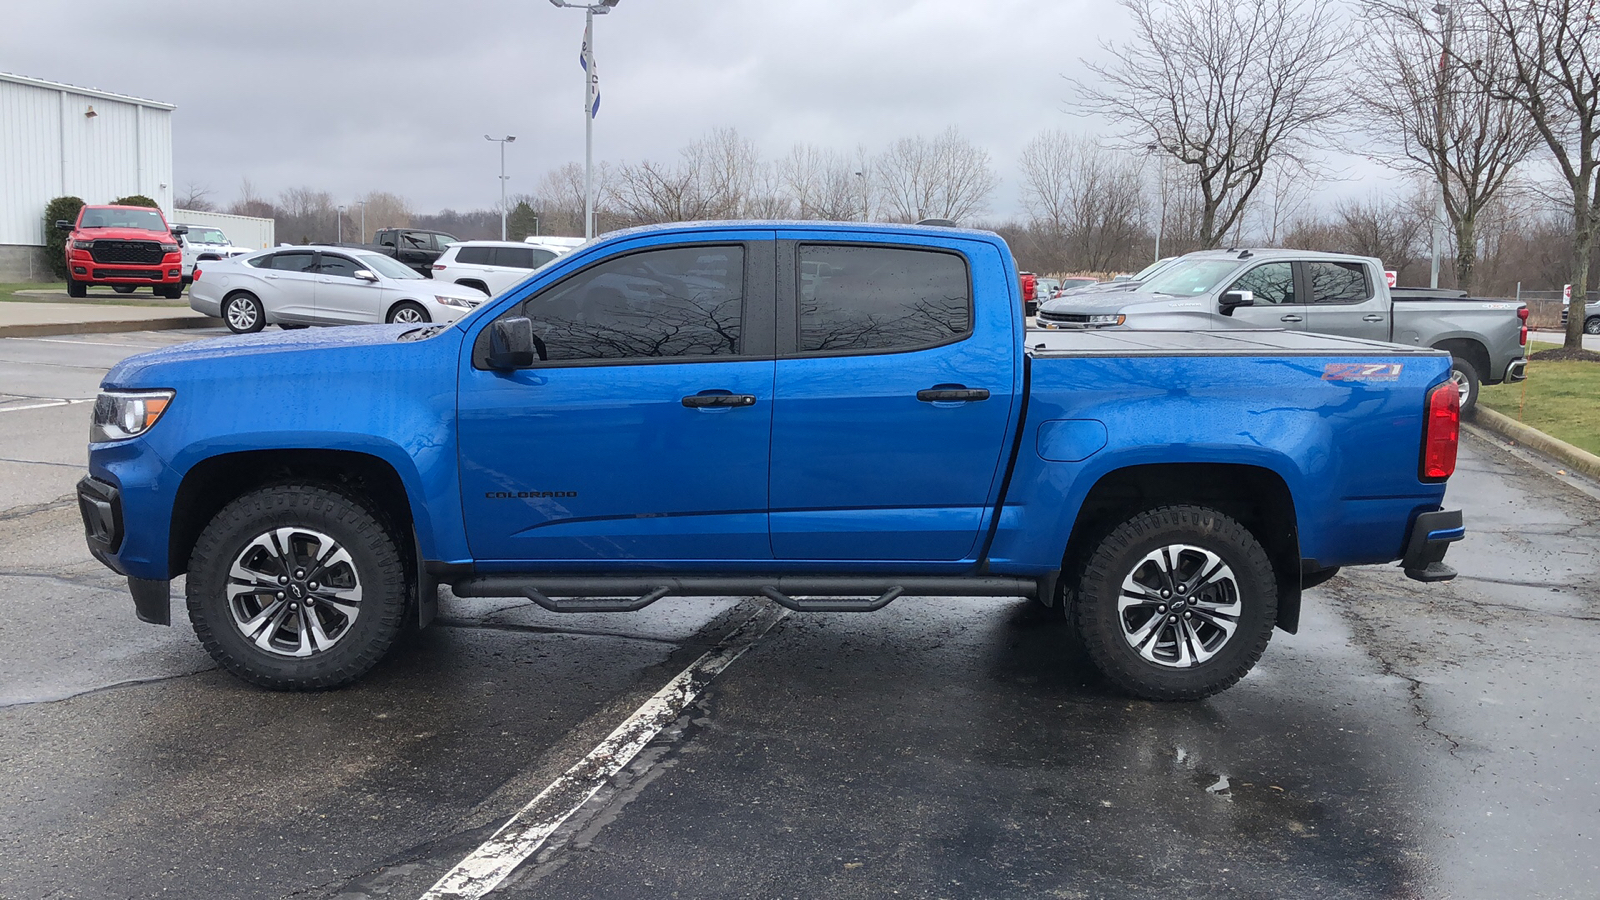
(829, 415)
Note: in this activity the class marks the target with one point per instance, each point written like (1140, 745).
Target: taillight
(1523, 339)
(196, 275)
(437, 266)
(1522, 313)
(1441, 432)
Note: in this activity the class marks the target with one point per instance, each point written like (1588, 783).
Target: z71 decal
(1361, 371)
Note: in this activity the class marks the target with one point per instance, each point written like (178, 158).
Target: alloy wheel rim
(294, 592)
(407, 316)
(1463, 387)
(1179, 606)
(241, 313)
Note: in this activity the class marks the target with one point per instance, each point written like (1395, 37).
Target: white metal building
(244, 231)
(59, 140)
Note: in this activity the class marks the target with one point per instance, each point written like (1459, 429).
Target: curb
(44, 329)
(1576, 458)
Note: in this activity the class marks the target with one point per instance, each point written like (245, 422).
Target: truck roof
(1275, 253)
(1242, 342)
(806, 225)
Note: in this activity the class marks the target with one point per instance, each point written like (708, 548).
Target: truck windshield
(386, 266)
(148, 219)
(206, 236)
(1195, 276)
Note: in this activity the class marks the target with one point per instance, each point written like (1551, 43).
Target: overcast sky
(397, 95)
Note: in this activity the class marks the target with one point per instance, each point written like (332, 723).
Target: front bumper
(100, 505)
(1431, 535)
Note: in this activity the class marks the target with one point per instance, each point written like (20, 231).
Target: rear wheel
(408, 313)
(1591, 325)
(296, 587)
(1465, 378)
(1176, 603)
(243, 313)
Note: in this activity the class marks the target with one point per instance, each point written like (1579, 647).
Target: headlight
(119, 415)
(170, 248)
(457, 302)
(83, 245)
(1104, 320)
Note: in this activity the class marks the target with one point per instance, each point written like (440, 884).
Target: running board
(826, 593)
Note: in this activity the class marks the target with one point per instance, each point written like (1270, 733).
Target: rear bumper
(1517, 369)
(1431, 536)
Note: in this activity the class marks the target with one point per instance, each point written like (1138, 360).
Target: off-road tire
(376, 560)
(1116, 558)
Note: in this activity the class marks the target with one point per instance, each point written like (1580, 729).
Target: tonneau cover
(1244, 342)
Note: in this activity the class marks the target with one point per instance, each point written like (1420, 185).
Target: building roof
(86, 92)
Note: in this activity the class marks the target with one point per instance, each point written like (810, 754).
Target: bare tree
(195, 196)
(947, 178)
(383, 210)
(1084, 197)
(252, 204)
(1224, 87)
(1284, 192)
(559, 198)
(1552, 72)
(1434, 116)
(823, 184)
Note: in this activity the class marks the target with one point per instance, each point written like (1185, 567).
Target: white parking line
(526, 832)
(89, 343)
(45, 405)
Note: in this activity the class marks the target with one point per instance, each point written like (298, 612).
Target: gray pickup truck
(1300, 290)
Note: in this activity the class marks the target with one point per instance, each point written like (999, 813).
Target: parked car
(126, 247)
(1028, 282)
(416, 247)
(1591, 318)
(832, 424)
(1045, 287)
(1067, 285)
(299, 286)
(490, 266)
(1326, 293)
(561, 245)
(204, 242)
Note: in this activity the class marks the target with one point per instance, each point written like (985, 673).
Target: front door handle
(1290, 318)
(956, 394)
(706, 399)
(1372, 318)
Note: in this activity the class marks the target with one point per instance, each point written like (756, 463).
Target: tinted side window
(473, 256)
(293, 261)
(1272, 283)
(337, 265)
(682, 302)
(1337, 282)
(513, 257)
(880, 298)
(540, 257)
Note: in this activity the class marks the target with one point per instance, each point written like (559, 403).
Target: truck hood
(269, 352)
(120, 234)
(1143, 310)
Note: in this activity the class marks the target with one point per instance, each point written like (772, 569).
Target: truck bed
(1243, 342)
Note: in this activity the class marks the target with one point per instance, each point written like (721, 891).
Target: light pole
(363, 221)
(591, 101)
(1161, 176)
(865, 215)
(338, 226)
(502, 142)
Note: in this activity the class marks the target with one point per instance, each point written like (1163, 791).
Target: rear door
(290, 285)
(881, 446)
(1278, 303)
(1345, 301)
(641, 436)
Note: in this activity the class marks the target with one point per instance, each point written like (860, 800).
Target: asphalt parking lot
(1411, 741)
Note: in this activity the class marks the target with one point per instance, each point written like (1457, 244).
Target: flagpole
(588, 125)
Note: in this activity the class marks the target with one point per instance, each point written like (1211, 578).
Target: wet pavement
(1412, 741)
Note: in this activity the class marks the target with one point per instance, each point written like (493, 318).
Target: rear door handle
(706, 399)
(1372, 318)
(1290, 318)
(952, 395)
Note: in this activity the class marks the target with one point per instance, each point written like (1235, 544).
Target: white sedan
(293, 287)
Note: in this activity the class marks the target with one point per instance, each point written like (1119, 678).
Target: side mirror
(366, 275)
(511, 343)
(180, 229)
(1232, 300)
(63, 225)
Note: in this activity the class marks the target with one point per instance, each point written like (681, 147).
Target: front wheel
(1177, 603)
(243, 314)
(296, 587)
(76, 288)
(408, 313)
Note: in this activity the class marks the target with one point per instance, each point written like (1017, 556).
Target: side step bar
(827, 593)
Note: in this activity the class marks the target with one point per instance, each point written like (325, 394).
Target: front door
(892, 399)
(642, 433)
(342, 298)
(1277, 303)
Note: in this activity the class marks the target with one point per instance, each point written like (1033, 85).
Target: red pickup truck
(125, 247)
